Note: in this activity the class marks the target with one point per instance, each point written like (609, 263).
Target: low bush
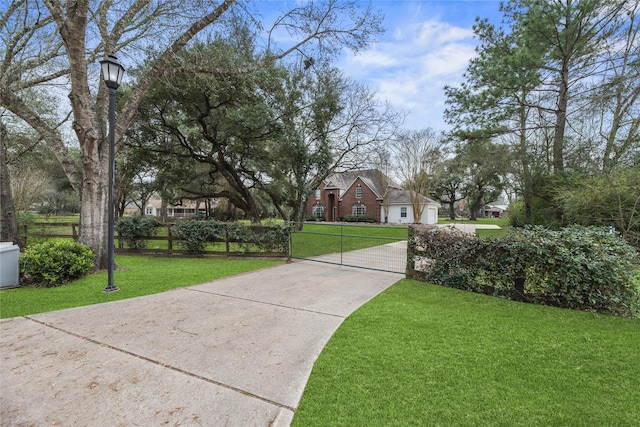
(133, 229)
(54, 263)
(356, 218)
(575, 267)
(195, 233)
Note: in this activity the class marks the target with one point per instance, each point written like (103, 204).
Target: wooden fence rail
(69, 230)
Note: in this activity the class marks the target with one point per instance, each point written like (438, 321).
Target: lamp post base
(110, 288)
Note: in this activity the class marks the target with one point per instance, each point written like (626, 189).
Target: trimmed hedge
(56, 262)
(356, 218)
(196, 233)
(132, 229)
(577, 267)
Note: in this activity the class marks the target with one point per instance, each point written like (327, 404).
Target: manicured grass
(424, 355)
(326, 238)
(141, 276)
(502, 222)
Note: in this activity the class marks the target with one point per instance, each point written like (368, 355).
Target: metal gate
(372, 247)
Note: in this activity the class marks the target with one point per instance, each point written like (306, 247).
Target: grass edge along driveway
(139, 276)
(421, 354)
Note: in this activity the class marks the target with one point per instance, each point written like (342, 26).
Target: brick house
(362, 192)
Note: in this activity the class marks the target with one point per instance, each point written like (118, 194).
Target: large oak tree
(54, 45)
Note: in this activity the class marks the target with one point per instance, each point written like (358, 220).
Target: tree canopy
(55, 45)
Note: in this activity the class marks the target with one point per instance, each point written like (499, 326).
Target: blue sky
(427, 45)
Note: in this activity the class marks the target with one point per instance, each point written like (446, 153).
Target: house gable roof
(366, 181)
(372, 178)
(396, 196)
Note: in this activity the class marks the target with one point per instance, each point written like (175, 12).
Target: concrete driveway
(471, 227)
(233, 352)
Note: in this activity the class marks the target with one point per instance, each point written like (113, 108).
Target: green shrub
(269, 238)
(196, 233)
(53, 263)
(26, 217)
(356, 218)
(610, 199)
(587, 268)
(575, 267)
(132, 229)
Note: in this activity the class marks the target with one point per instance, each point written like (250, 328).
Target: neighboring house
(185, 209)
(401, 209)
(494, 211)
(362, 193)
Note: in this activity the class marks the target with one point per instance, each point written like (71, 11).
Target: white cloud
(437, 32)
(375, 58)
(410, 68)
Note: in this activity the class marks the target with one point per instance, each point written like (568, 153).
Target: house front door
(332, 214)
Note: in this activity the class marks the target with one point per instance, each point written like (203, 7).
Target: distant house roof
(372, 178)
(397, 196)
(186, 204)
(500, 207)
(378, 182)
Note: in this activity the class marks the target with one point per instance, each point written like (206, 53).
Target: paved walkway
(233, 352)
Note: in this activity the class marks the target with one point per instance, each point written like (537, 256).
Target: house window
(148, 210)
(358, 192)
(317, 194)
(359, 209)
(403, 212)
(318, 210)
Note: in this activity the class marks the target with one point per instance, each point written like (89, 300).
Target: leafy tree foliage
(418, 154)
(449, 186)
(557, 81)
(261, 138)
(605, 200)
(50, 42)
(484, 162)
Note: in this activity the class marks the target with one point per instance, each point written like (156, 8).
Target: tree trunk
(561, 118)
(163, 209)
(90, 131)
(93, 212)
(8, 219)
(477, 201)
(452, 210)
(90, 115)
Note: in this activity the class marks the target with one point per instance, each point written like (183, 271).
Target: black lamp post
(112, 73)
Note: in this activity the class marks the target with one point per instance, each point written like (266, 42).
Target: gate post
(341, 238)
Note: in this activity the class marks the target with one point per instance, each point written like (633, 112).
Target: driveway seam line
(265, 303)
(164, 365)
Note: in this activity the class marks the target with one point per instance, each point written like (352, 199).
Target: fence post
(26, 230)
(169, 238)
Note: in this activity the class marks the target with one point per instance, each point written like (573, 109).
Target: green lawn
(141, 276)
(420, 354)
(424, 355)
(324, 238)
(503, 223)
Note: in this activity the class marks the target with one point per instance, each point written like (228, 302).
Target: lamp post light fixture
(112, 73)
